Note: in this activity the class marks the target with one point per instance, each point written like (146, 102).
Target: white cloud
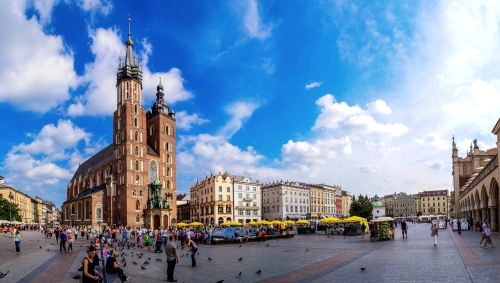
(45, 7)
(101, 6)
(240, 112)
(313, 85)
(186, 121)
(334, 114)
(36, 69)
(434, 165)
(433, 139)
(99, 98)
(54, 138)
(253, 23)
(367, 168)
(317, 152)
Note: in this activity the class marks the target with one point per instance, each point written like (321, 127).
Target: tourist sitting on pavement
(89, 263)
(112, 267)
(247, 235)
(237, 236)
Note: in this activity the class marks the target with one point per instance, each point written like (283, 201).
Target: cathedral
(131, 182)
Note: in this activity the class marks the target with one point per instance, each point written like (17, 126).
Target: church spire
(130, 44)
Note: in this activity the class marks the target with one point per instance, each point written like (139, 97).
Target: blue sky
(362, 94)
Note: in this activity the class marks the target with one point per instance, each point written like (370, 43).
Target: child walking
(70, 243)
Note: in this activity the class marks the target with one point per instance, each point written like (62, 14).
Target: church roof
(377, 204)
(99, 159)
(87, 193)
(151, 151)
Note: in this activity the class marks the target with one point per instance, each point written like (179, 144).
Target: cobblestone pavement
(311, 258)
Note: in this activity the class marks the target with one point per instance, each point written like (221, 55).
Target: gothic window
(66, 214)
(98, 214)
(80, 214)
(127, 92)
(119, 166)
(119, 111)
(135, 92)
(135, 122)
(137, 205)
(151, 130)
(136, 151)
(137, 218)
(168, 185)
(123, 135)
(119, 123)
(135, 108)
(98, 178)
(134, 193)
(140, 193)
(168, 158)
(136, 165)
(136, 136)
(153, 171)
(137, 180)
(167, 130)
(87, 210)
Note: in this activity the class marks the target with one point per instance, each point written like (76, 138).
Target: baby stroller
(158, 245)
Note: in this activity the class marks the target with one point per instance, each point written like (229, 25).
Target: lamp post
(11, 197)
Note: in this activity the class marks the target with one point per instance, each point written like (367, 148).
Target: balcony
(247, 199)
(247, 208)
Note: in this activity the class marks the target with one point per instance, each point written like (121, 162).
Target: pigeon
(239, 275)
(134, 262)
(187, 254)
(277, 240)
(142, 267)
(252, 243)
(158, 259)
(240, 258)
(182, 254)
(146, 262)
(149, 258)
(267, 245)
(2, 275)
(198, 253)
(125, 264)
(307, 250)
(40, 247)
(47, 249)
(363, 269)
(209, 258)
(240, 246)
(39, 241)
(344, 238)
(258, 272)
(220, 281)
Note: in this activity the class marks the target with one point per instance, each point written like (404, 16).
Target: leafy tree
(6, 209)
(419, 213)
(390, 215)
(361, 207)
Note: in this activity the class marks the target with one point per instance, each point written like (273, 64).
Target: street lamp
(11, 197)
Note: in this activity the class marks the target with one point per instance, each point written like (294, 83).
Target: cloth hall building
(475, 183)
(132, 181)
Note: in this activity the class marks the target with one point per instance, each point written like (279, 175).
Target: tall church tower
(130, 148)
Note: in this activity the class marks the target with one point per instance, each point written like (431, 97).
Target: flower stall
(384, 228)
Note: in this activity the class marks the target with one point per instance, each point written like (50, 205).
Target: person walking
(481, 229)
(459, 226)
(70, 242)
(193, 248)
(17, 241)
(63, 237)
(363, 228)
(487, 232)
(404, 229)
(434, 233)
(172, 258)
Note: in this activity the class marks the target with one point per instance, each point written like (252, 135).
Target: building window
(137, 165)
(136, 122)
(254, 212)
(153, 171)
(137, 218)
(240, 212)
(240, 195)
(239, 187)
(137, 205)
(136, 136)
(228, 197)
(167, 130)
(220, 197)
(140, 193)
(254, 189)
(87, 210)
(220, 188)
(247, 212)
(228, 189)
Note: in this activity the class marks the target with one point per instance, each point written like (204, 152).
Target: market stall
(352, 226)
(384, 228)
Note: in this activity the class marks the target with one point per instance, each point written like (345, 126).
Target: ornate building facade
(115, 186)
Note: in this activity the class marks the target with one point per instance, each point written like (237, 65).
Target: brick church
(114, 185)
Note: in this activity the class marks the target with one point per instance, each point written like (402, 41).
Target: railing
(484, 173)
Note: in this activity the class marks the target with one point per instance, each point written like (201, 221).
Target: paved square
(311, 258)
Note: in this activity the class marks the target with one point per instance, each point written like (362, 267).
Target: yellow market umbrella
(277, 222)
(236, 223)
(264, 222)
(355, 219)
(290, 222)
(196, 224)
(226, 224)
(330, 220)
(302, 221)
(182, 224)
(252, 223)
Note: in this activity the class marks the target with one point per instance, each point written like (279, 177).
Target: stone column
(493, 220)
(485, 214)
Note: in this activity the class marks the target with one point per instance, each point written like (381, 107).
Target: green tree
(419, 213)
(6, 209)
(390, 215)
(361, 207)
